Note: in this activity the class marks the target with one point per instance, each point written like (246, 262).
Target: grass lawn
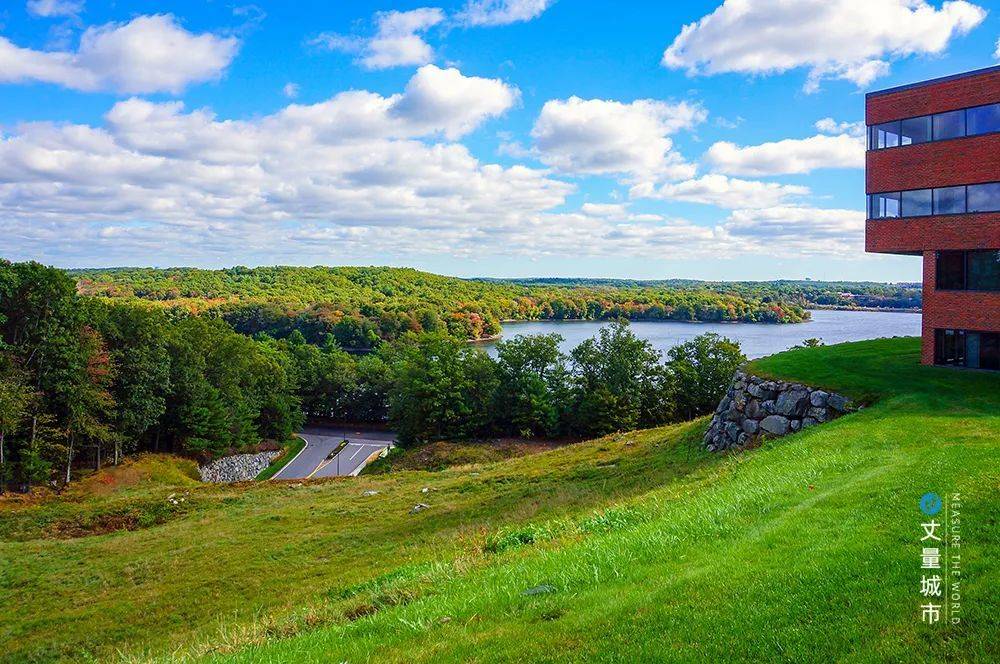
(631, 548)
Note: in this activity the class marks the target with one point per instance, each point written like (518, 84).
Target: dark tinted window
(989, 351)
(984, 197)
(983, 270)
(983, 119)
(887, 135)
(915, 130)
(949, 200)
(949, 347)
(885, 205)
(949, 125)
(916, 203)
(950, 270)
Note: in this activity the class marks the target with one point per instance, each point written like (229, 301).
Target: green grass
(636, 547)
(293, 447)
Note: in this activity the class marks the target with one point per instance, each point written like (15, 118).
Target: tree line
(363, 307)
(87, 380)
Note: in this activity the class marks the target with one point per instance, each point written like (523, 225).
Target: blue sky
(481, 137)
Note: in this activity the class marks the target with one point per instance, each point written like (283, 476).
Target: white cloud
(397, 41)
(996, 53)
(797, 230)
(51, 8)
(792, 155)
(845, 39)
(501, 12)
(360, 171)
(596, 136)
(721, 191)
(832, 127)
(148, 54)
(290, 90)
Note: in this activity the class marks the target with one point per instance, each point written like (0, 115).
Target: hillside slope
(633, 547)
(807, 549)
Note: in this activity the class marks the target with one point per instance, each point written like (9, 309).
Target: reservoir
(756, 339)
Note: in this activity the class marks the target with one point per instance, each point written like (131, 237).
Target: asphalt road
(312, 461)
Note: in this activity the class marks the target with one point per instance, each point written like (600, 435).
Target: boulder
(733, 431)
(818, 414)
(818, 398)
(767, 407)
(809, 422)
(753, 409)
(838, 403)
(775, 424)
(795, 425)
(792, 403)
(751, 426)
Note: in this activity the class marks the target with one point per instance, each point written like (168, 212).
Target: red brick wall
(924, 100)
(915, 235)
(960, 310)
(938, 164)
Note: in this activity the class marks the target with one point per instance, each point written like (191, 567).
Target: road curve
(314, 459)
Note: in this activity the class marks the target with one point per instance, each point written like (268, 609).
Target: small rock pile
(236, 468)
(756, 406)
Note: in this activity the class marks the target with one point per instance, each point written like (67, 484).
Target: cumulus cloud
(501, 12)
(397, 40)
(147, 54)
(360, 170)
(597, 136)
(853, 40)
(290, 90)
(721, 191)
(792, 155)
(831, 126)
(52, 8)
(797, 230)
(996, 53)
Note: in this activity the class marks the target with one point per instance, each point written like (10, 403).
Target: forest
(362, 307)
(86, 380)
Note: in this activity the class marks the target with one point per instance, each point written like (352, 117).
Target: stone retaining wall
(237, 468)
(756, 406)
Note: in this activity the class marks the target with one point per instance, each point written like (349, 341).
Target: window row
(941, 200)
(964, 348)
(968, 270)
(937, 127)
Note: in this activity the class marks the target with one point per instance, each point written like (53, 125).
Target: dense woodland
(85, 380)
(362, 307)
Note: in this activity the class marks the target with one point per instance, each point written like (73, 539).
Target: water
(756, 339)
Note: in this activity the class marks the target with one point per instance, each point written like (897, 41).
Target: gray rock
(236, 468)
(795, 425)
(743, 439)
(767, 407)
(733, 431)
(818, 398)
(818, 414)
(809, 422)
(838, 402)
(419, 507)
(751, 426)
(753, 409)
(369, 492)
(775, 424)
(792, 403)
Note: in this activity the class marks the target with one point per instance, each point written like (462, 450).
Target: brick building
(932, 175)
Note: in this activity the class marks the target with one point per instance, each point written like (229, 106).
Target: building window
(949, 347)
(983, 119)
(915, 130)
(983, 270)
(949, 125)
(950, 270)
(916, 203)
(965, 348)
(887, 135)
(884, 206)
(984, 197)
(949, 200)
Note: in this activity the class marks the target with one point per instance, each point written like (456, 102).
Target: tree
(15, 396)
(441, 388)
(620, 383)
(533, 384)
(700, 372)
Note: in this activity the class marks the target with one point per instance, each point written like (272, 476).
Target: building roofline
(942, 79)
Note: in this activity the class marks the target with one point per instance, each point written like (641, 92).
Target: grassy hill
(633, 547)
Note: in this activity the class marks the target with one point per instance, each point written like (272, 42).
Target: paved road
(312, 461)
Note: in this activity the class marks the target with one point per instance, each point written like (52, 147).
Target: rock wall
(236, 468)
(756, 406)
